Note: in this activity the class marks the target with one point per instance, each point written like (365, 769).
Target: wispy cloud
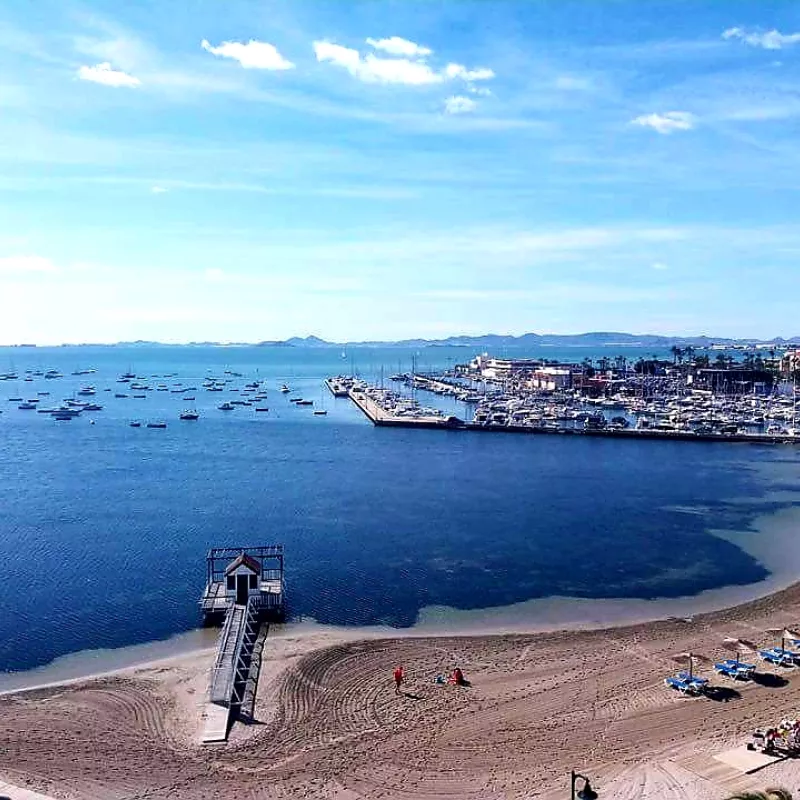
(26, 265)
(769, 40)
(107, 76)
(458, 104)
(460, 71)
(666, 123)
(572, 83)
(397, 46)
(251, 55)
(158, 190)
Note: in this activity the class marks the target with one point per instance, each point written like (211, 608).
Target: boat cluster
(137, 387)
(397, 405)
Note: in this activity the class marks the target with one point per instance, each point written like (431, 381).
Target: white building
(242, 578)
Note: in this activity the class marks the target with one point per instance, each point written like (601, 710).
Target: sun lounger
(776, 656)
(739, 671)
(685, 676)
(685, 687)
(794, 655)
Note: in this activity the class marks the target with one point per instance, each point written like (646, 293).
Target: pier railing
(232, 661)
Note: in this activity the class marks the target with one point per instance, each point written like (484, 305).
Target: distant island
(489, 341)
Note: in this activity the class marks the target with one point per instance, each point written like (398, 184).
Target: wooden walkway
(231, 670)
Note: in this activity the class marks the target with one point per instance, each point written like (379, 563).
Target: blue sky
(238, 171)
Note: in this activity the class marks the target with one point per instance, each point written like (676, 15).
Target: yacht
(226, 407)
(285, 389)
(156, 424)
(190, 415)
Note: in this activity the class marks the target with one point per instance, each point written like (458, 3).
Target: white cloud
(252, 55)
(373, 69)
(103, 73)
(20, 265)
(667, 122)
(214, 275)
(460, 71)
(769, 40)
(459, 104)
(397, 46)
(158, 190)
(658, 265)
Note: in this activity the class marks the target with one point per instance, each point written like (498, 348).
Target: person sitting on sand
(457, 678)
(398, 679)
(769, 794)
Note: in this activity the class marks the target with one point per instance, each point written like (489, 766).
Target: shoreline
(770, 541)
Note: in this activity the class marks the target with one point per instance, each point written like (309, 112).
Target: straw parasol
(784, 633)
(738, 646)
(690, 659)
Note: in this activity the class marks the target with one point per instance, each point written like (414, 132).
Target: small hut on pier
(243, 576)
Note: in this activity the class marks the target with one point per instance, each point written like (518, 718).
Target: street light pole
(586, 793)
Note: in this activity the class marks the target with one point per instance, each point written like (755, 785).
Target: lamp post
(586, 793)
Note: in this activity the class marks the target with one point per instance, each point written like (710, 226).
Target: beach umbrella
(689, 659)
(738, 646)
(790, 634)
(784, 633)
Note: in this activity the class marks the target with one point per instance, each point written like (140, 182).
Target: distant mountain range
(493, 342)
(527, 340)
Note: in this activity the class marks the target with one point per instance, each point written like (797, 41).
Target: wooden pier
(244, 587)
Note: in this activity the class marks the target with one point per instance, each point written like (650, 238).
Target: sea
(104, 527)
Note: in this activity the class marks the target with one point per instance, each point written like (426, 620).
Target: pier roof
(243, 559)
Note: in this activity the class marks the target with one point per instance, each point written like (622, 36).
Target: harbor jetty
(244, 588)
(384, 408)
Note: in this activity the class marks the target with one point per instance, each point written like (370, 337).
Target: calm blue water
(104, 528)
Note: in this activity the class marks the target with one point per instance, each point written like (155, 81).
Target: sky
(232, 170)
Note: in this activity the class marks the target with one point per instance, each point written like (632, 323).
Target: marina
(654, 400)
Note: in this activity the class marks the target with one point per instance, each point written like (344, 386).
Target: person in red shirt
(398, 679)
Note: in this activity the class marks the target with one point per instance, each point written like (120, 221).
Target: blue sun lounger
(794, 655)
(776, 656)
(737, 670)
(682, 686)
(700, 683)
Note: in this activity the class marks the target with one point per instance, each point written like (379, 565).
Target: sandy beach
(329, 725)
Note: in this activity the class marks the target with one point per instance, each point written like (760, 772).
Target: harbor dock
(688, 417)
(244, 588)
(338, 386)
(381, 415)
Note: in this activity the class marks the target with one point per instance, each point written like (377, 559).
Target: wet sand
(329, 725)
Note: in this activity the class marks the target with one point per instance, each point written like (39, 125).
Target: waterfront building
(551, 378)
(790, 363)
